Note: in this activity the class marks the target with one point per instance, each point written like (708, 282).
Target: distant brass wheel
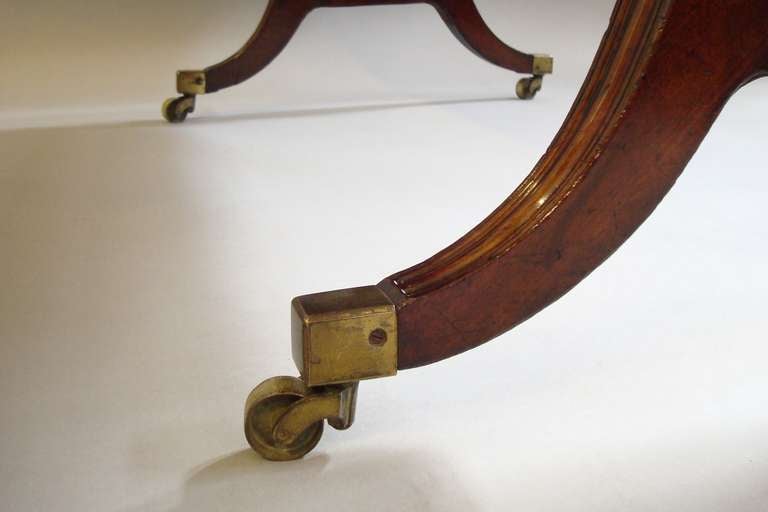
(528, 87)
(175, 110)
(266, 404)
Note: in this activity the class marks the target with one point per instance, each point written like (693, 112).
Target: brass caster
(338, 338)
(175, 110)
(284, 417)
(528, 87)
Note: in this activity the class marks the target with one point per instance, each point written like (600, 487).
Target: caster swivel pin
(528, 87)
(338, 338)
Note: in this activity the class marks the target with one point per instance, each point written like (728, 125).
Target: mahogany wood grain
(664, 71)
(282, 18)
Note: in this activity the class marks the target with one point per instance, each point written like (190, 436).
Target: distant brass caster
(528, 87)
(284, 418)
(175, 110)
(189, 84)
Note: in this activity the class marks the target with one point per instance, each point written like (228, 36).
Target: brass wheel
(175, 110)
(528, 87)
(266, 404)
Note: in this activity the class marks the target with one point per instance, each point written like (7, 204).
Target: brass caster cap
(266, 404)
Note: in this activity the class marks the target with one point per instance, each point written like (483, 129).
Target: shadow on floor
(367, 481)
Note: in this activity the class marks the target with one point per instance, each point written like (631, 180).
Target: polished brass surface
(542, 64)
(344, 336)
(190, 82)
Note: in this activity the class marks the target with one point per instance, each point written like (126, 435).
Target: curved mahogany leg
(278, 25)
(663, 72)
(283, 17)
(468, 26)
(466, 23)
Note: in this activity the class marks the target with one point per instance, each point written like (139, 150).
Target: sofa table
(283, 17)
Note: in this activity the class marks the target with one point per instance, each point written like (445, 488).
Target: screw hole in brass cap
(378, 337)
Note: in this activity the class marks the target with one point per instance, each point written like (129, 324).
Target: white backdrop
(147, 271)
